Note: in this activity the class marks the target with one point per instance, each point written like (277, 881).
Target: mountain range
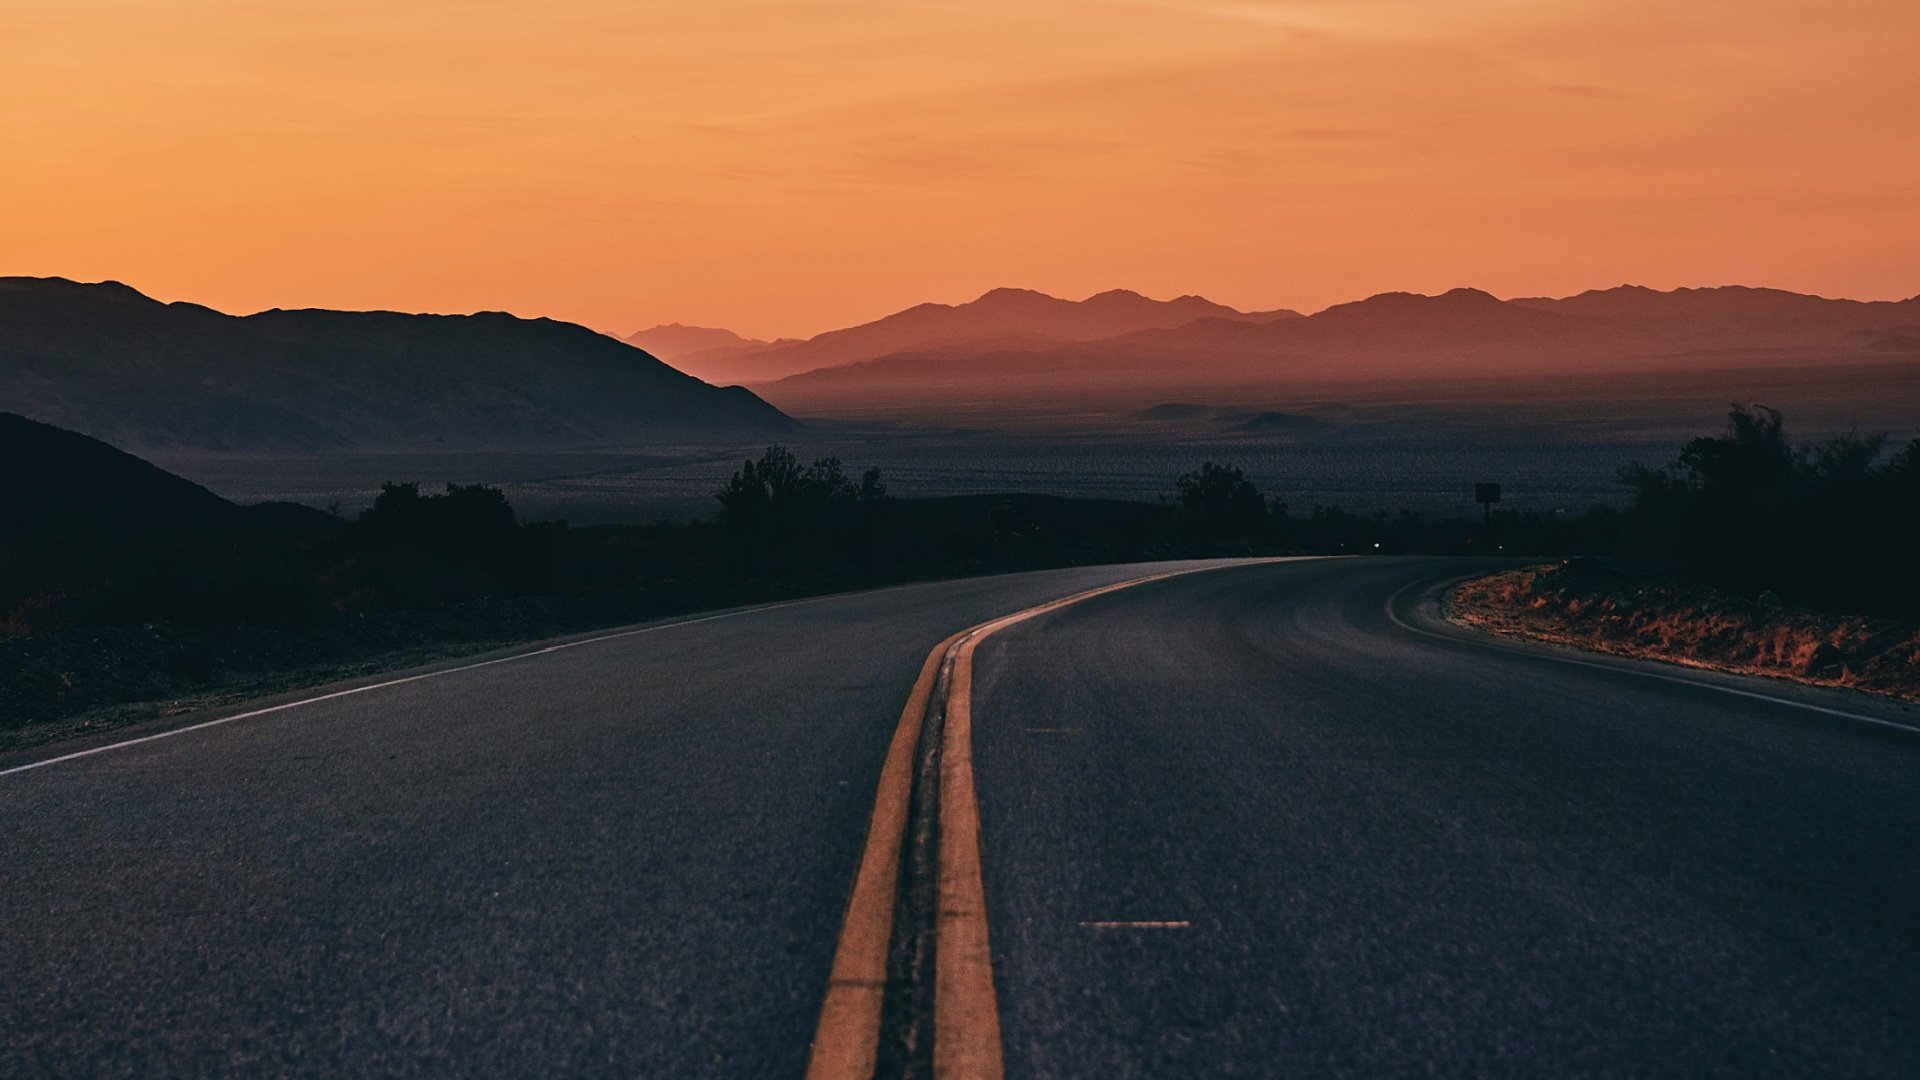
(1010, 320)
(107, 361)
(1464, 332)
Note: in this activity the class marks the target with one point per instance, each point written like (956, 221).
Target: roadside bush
(1834, 524)
(1219, 505)
(414, 550)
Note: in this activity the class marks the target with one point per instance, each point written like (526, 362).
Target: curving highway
(1268, 819)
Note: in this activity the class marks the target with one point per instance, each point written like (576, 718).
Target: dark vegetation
(1835, 524)
(1746, 554)
(120, 582)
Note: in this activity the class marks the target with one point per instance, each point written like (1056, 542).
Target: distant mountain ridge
(673, 342)
(1737, 311)
(107, 361)
(1010, 319)
(1459, 332)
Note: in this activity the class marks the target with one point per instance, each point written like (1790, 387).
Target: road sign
(1486, 495)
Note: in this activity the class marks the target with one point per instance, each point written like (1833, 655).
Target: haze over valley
(1393, 402)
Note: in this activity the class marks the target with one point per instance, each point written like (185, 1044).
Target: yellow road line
(966, 1011)
(847, 1042)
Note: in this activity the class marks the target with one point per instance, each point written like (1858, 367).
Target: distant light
(1376, 543)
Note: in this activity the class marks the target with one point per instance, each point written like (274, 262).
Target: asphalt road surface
(1263, 820)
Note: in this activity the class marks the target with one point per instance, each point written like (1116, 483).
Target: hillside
(110, 362)
(1003, 319)
(59, 485)
(89, 533)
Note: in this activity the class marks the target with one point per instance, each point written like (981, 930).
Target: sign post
(1486, 495)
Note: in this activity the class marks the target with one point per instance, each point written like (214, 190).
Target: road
(1260, 820)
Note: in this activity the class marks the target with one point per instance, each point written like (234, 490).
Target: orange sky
(787, 166)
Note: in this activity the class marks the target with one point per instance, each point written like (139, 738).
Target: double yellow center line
(966, 1014)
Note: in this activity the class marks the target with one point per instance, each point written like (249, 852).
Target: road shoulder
(1692, 626)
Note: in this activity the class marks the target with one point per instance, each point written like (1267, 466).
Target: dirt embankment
(1610, 610)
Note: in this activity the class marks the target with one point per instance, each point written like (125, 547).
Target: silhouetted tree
(776, 491)
(410, 549)
(1832, 523)
(1723, 495)
(1219, 501)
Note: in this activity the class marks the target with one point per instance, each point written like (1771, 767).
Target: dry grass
(1690, 624)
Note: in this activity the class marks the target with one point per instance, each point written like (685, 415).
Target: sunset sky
(787, 167)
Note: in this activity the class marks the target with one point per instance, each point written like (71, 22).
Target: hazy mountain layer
(1464, 332)
(674, 342)
(1006, 319)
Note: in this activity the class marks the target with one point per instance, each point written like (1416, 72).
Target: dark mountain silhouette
(55, 483)
(673, 342)
(108, 361)
(1003, 320)
(90, 534)
(1461, 332)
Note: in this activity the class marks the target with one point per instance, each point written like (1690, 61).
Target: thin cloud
(1593, 93)
(1335, 134)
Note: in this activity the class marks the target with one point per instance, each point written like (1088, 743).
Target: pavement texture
(1379, 851)
(1396, 850)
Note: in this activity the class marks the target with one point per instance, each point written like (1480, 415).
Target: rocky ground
(1611, 609)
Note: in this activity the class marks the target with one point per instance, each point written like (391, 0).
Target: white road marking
(1137, 924)
(616, 635)
(170, 733)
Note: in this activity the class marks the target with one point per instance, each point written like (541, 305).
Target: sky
(783, 167)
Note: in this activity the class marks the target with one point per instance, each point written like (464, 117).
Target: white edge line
(282, 707)
(1626, 666)
(1137, 924)
(350, 691)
